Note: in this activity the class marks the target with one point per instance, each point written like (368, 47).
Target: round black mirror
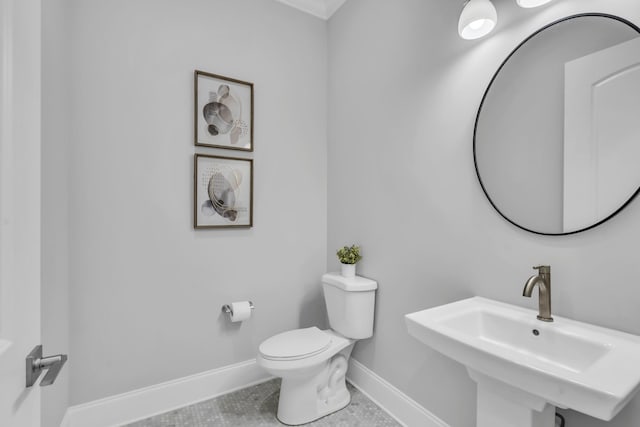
(557, 136)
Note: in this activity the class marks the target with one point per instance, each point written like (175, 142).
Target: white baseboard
(149, 401)
(397, 404)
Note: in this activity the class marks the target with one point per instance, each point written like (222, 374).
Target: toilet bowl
(313, 363)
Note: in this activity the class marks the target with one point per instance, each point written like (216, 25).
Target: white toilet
(312, 362)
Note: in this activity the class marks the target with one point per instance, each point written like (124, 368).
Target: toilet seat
(295, 345)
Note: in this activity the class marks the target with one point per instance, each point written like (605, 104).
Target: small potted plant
(348, 257)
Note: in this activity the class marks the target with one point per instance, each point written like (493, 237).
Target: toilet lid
(296, 344)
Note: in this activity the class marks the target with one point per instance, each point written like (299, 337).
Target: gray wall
(146, 289)
(403, 94)
(55, 202)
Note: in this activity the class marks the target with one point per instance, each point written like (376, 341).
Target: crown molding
(322, 9)
(333, 6)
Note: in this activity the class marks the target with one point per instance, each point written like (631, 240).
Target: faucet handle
(543, 269)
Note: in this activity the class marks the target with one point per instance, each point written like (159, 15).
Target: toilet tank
(350, 304)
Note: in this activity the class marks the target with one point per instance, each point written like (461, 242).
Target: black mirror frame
(475, 127)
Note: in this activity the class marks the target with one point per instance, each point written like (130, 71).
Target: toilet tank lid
(349, 284)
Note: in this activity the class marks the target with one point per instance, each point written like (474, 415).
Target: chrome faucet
(543, 280)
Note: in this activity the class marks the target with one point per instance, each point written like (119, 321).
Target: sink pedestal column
(501, 405)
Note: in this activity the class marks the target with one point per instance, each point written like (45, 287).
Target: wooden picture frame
(223, 192)
(223, 112)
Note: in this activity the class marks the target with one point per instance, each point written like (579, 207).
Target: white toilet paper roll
(240, 311)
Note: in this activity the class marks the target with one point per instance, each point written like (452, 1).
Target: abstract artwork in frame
(223, 192)
(223, 112)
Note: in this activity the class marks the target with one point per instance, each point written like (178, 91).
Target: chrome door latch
(36, 364)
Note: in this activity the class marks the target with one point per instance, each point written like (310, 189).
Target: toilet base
(305, 399)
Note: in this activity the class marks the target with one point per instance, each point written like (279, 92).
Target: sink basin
(565, 363)
(511, 333)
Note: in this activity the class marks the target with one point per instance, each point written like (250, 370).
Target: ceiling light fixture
(531, 3)
(479, 17)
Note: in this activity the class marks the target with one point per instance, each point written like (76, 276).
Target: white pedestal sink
(525, 368)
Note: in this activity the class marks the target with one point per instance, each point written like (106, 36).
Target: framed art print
(223, 192)
(223, 112)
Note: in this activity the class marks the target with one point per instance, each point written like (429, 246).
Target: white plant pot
(348, 270)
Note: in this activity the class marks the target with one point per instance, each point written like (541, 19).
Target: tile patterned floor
(256, 407)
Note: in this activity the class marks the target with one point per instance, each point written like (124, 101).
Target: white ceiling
(320, 8)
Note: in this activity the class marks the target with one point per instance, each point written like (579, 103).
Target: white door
(20, 106)
(602, 129)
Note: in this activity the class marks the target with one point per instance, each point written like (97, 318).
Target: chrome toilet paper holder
(227, 308)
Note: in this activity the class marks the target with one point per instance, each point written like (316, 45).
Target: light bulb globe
(527, 4)
(478, 18)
